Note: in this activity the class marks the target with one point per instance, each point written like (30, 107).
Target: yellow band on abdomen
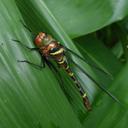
(67, 68)
(84, 95)
(61, 62)
(70, 74)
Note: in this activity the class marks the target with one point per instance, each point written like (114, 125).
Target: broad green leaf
(33, 98)
(89, 46)
(80, 17)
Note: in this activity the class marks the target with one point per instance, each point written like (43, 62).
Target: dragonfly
(51, 49)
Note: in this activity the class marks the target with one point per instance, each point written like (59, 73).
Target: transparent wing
(92, 65)
(89, 76)
(58, 76)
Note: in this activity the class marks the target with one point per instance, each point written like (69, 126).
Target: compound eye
(38, 40)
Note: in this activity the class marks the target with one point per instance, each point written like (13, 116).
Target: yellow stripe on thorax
(57, 52)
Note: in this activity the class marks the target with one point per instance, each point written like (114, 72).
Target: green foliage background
(30, 98)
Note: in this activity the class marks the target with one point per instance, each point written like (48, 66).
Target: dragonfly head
(40, 39)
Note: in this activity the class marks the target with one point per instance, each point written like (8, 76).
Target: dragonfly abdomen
(58, 55)
(66, 67)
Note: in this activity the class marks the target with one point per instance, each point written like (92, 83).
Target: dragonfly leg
(33, 34)
(26, 26)
(42, 65)
(32, 49)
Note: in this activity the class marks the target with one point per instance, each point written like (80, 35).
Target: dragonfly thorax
(53, 49)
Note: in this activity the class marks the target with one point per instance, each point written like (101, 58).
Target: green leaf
(77, 17)
(80, 17)
(30, 98)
